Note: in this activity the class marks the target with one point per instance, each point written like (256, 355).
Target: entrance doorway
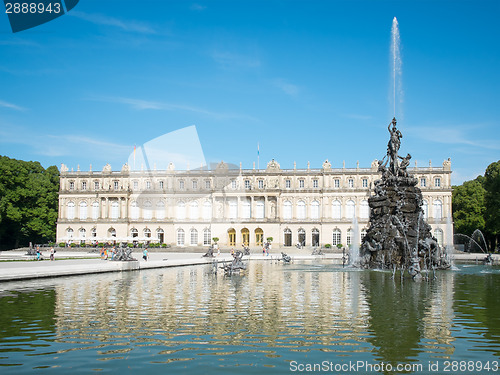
(259, 237)
(231, 234)
(161, 235)
(302, 237)
(315, 237)
(288, 237)
(245, 236)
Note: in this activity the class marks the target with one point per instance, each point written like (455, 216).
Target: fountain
(398, 236)
(396, 62)
(354, 246)
(471, 245)
(449, 235)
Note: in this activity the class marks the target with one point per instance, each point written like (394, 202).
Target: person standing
(145, 254)
(52, 253)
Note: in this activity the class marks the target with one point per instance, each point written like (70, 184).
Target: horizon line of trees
(28, 202)
(476, 205)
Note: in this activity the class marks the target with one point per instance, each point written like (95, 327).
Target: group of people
(105, 253)
(39, 255)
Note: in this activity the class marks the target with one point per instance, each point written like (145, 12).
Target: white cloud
(234, 60)
(11, 106)
(457, 135)
(140, 104)
(355, 116)
(197, 7)
(127, 25)
(72, 145)
(286, 87)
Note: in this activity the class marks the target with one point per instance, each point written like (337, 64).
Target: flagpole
(258, 156)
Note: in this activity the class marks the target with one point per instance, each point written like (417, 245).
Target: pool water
(275, 318)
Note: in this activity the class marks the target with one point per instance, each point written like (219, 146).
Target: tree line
(476, 205)
(28, 202)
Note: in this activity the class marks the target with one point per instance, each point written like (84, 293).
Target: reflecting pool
(276, 318)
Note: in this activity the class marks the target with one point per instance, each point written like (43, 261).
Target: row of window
(245, 233)
(134, 236)
(247, 184)
(194, 213)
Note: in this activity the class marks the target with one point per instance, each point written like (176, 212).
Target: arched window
(134, 210)
(193, 237)
(95, 210)
(260, 209)
(301, 210)
(93, 233)
(207, 236)
(337, 237)
(181, 210)
(350, 234)
(115, 210)
(193, 210)
(287, 210)
(69, 233)
(180, 237)
(82, 233)
(246, 209)
(112, 232)
(147, 210)
(147, 233)
(160, 234)
(134, 233)
(336, 210)
(438, 233)
(207, 211)
(160, 210)
(83, 210)
(365, 210)
(425, 208)
(314, 210)
(70, 210)
(350, 209)
(438, 209)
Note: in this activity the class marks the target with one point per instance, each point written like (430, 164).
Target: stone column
(266, 208)
(252, 207)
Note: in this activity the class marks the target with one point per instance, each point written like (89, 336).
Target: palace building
(189, 208)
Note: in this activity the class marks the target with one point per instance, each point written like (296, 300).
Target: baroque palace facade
(312, 207)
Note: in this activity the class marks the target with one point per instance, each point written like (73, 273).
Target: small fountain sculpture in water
(236, 265)
(398, 236)
(123, 254)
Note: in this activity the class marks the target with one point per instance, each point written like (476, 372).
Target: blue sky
(306, 80)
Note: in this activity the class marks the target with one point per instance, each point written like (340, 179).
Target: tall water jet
(354, 247)
(397, 87)
(449, 240)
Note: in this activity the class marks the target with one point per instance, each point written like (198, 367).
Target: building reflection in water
(298, 307)
(302, 311)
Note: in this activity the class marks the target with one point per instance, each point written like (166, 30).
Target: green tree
(28, 202)
(468, 202)
(492, 198)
